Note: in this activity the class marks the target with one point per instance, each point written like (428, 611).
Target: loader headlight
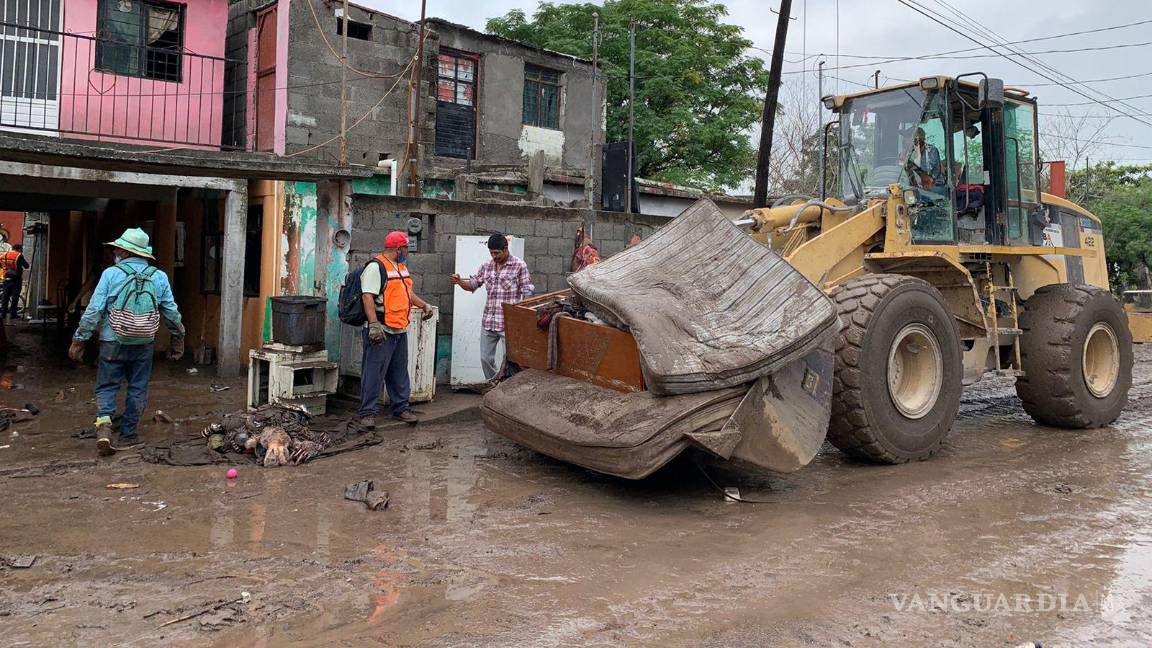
(911, 197)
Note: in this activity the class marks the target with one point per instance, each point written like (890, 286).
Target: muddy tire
(898, 369)
(1076, 353)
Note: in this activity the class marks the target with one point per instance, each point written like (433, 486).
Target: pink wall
(145, 111)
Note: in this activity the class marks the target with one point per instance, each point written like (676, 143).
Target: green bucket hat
(134, 240)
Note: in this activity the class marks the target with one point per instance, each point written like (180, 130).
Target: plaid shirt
(508, 285)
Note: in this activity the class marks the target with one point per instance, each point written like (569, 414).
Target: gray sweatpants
(488, 342)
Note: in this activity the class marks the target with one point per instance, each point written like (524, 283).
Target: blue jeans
(10, 297)
(384, 365)
(120, 363)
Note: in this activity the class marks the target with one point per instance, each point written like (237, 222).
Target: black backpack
(351, 295)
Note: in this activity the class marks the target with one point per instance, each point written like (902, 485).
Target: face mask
(401, 256)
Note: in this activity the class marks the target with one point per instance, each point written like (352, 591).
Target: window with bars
(142, 38)
(456, 104)
(541, 97)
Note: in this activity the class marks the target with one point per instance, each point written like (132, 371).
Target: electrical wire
(935, 17)
(1095, 141)
(339, 57)
(358, 121)
(997, 38)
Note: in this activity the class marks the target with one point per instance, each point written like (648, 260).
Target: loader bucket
(778, 423)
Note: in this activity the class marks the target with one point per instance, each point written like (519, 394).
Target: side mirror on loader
(991, 93)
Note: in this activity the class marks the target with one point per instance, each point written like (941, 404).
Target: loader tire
(898, 374)
(1076, 353)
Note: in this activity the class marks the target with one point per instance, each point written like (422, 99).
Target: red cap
(396, 240)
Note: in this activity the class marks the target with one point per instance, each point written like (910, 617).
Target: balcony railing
(89, 88)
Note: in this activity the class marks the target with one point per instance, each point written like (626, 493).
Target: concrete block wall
(314, 100)
(549, 234)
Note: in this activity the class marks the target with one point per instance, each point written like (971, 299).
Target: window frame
(535, 82)
(455, 79)
(140, 68)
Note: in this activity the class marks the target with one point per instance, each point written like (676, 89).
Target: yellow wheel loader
(938, 255)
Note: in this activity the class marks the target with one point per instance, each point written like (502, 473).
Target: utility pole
(414, 155)
(344, 89)
(760, 195)
(597, 116)
(876, 76)
(823, 132)
(631, 114)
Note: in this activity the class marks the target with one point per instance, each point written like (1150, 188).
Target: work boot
(407, 416)
(104, 446)
(363, 422)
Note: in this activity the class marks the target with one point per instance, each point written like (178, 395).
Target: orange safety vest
(8, 262)
(397, 293)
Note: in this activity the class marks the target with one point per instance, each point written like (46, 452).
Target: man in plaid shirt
(508, 282)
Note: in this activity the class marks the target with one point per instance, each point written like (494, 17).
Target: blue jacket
(109, 286)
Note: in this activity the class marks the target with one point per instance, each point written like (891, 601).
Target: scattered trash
(245, 598)
(364, 491)
(18, 562)
(5, 447)
(161, 417)
(232, 473)
(193, 371)
(160, 505)
(731, 494)
(218, 388)
(122, 486)
(86, 433)
(276, 435)
(60, 396)
(31, 409)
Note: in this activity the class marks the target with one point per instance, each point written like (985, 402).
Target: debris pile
(276, 435)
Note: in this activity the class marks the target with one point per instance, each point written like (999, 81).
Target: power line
(997, 38)
(936, 18)
(1019, 42)
(1088, 103)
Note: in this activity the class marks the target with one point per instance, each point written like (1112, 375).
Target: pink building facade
(148, 72)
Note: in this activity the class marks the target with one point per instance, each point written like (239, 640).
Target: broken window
(541, 97)
(456, 104)
(142, 38)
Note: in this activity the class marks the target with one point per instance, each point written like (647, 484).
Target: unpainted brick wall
(549, 235)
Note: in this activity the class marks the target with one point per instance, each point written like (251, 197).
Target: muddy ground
(1013, 533)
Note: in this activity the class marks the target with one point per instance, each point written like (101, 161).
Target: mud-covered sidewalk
(1013, 533)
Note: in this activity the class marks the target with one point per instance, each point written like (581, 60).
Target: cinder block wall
(549, 234)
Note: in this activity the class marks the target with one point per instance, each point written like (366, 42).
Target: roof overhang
(38, 149)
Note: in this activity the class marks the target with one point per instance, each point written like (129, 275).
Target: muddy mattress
(710, 308)
(625, 434)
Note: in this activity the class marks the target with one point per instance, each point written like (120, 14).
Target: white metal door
(468, 309)
(30, 55)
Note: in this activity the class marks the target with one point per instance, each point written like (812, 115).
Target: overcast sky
(888, 28)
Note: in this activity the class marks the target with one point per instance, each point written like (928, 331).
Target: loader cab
(964, 151)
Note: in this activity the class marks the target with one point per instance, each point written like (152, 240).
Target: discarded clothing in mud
(271, 435)
(709, 306)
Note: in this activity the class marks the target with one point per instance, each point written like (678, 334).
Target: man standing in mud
(130, 299)
(508, 282)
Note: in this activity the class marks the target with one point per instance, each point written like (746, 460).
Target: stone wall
(548, 232)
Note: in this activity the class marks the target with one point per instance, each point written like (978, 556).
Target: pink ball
(232, 474)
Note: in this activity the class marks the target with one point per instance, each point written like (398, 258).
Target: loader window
(926, 170)
(875, 136)
(1020, 160)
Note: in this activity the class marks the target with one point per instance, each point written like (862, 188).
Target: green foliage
(1122, 197)
(697, 91)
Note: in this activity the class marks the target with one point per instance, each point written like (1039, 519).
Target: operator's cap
(396, 240)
